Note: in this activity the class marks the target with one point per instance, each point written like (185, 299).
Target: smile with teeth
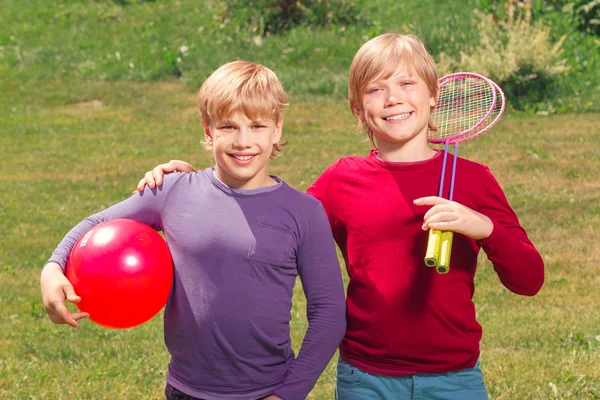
(398, 117)
(243, 158)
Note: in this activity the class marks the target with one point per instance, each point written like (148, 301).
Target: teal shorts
(354, 384)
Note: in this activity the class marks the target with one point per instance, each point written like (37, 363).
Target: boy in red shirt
(411, 332)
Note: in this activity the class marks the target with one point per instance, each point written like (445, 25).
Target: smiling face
(242, 149)
(397, 109)
(392, 88)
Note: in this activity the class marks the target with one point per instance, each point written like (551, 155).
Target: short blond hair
(242, 86)
(379, 59)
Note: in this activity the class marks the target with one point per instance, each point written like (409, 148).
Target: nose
(242, 139)
(393, 98)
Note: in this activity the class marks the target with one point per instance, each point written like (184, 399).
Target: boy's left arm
(497, 230)
(321, 278)
(516, 260)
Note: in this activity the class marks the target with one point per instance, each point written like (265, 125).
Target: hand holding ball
(123, 272)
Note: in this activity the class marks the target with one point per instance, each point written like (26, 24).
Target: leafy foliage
(272, 17)
(584, 13)
(516, 52)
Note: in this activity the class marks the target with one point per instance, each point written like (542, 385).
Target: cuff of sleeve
(498, 233)
(63, 267)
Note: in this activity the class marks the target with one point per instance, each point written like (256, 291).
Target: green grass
(73, 147)
(92, 96)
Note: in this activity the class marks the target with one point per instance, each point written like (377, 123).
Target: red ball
(123, 272)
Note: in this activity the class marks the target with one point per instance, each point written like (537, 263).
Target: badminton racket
(468, 105)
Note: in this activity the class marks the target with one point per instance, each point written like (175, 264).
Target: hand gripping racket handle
(439, 244)
(434, 242)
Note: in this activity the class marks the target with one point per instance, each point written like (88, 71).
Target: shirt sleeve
(320, 187)
(515, 259)
(321, 278)
(143, 207)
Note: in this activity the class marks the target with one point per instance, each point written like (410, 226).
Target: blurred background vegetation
(544, 53)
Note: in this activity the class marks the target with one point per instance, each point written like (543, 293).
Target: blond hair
(246, 87)
(379, 58)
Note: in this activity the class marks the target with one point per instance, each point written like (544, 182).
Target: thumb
(71, 295)
(171, 166)
(180, 166)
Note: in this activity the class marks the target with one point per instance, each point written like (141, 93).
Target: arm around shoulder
(155, 177)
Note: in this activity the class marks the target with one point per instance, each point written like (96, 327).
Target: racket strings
(463, 105)
(492, 118)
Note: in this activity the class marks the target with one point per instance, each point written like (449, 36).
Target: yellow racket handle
(432, 255)
(443, 266)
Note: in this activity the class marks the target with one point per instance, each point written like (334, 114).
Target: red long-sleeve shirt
(403, 317)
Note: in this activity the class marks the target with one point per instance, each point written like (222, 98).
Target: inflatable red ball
(123, 272)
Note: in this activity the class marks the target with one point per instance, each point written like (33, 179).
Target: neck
(256, 182)
(404, 152)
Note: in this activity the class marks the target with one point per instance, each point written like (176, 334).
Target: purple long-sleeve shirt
(236, 255)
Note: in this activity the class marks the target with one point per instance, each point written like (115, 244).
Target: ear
(278, 131)
(358, 113)
(207, 134)
(433, 100)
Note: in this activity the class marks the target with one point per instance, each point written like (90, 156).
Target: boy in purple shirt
(239, 237)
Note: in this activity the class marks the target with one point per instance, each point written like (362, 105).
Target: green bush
(579, 88)
(515, 52)
(273, 17)
(584, 13)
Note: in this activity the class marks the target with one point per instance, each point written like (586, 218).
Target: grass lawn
(73, 147)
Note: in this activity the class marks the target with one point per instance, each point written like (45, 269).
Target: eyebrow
(393, 77)
(253, 121)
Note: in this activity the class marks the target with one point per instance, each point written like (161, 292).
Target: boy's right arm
(54, 285)
(55, 290)
(154, 178)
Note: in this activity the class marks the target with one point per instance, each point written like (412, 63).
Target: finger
(440, 226)
(440, 221)
(158, 172)
(181, 166)
(60, 315)
(72, 322)
(149, 180)
(172, 166)
(77, 315)
(430, 201)
(140, 186)
(438, 209)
